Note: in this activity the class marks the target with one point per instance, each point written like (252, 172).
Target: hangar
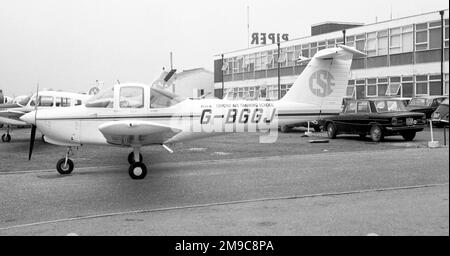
(405, 58)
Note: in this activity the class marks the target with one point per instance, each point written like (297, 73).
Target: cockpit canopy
(133, 96)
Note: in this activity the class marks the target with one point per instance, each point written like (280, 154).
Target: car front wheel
(331, 131)
(376, 133)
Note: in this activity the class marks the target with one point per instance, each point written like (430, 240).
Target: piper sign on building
(268, 38)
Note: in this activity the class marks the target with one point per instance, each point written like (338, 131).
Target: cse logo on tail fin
(320, 83)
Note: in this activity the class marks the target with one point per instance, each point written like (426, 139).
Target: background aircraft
(136, 115)
(10, 113)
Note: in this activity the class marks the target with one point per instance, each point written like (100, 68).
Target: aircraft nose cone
(29, 118)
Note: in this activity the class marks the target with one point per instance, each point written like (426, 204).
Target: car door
(362, 119)
(345, 121)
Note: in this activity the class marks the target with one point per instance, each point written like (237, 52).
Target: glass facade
(392, 46)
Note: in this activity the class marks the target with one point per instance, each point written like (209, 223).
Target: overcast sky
(69, 44)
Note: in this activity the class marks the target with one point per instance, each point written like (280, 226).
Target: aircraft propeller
(33, 126)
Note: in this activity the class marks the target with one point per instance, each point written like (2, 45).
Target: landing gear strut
(65, 166)
(137, 169)
(6, 137)
(131, 158)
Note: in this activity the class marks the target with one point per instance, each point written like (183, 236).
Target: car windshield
(419, 102)
(445, 102)
(104, 99)
(389, 105)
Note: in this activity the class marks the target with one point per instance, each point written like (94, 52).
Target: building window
(407, 86)
(422, 85)
(271, 59)
(382, 84)
(393, 88)
(428, 36)
(350, 41)
(360, 42)
(446, 25)
(350, 88)
(283, 58)
(305, 50)
(297, 53)
(382, 42)
(421, 36)
(322, 45)
(313, 49)
(435, 33)
(258, 61)
(291, 56)
(446, 84)
(395, 42)
(371, 47)
(371, 87)
(331, 43)
(435, 84)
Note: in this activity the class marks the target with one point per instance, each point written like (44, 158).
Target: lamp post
(442, 51)
(222, 78)
(343, 35)
(278, 64)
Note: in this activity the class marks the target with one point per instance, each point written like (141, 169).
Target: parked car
(376, 117)
(440, 115)
(426, 105)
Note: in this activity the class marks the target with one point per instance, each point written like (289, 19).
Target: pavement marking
(222, 204)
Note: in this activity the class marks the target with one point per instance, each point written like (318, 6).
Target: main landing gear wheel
(64, 168)
(6, 138)
(131, 158)
(137, 171)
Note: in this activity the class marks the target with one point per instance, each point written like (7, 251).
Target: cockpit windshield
(162, 99)
(22, 100)
(104, 99)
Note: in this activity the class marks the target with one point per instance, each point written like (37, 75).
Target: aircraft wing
(11, 113)
(134, 132)
(9, 105)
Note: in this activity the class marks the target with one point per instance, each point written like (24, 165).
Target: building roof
(338, 23)
(294, 40)
(192, 71)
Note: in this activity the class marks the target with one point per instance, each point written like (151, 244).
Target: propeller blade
(32, 138)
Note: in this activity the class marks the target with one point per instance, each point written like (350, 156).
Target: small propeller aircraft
(135, 115)
(10, 113)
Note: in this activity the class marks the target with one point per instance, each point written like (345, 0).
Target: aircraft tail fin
(324, 80)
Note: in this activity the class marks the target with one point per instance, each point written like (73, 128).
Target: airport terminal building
(404, 59)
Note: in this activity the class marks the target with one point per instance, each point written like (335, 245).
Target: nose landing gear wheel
(137, 171)
(131, 158)
(63, 168)
(6, 138)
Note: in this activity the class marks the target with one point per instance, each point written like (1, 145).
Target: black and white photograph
(241, 120)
